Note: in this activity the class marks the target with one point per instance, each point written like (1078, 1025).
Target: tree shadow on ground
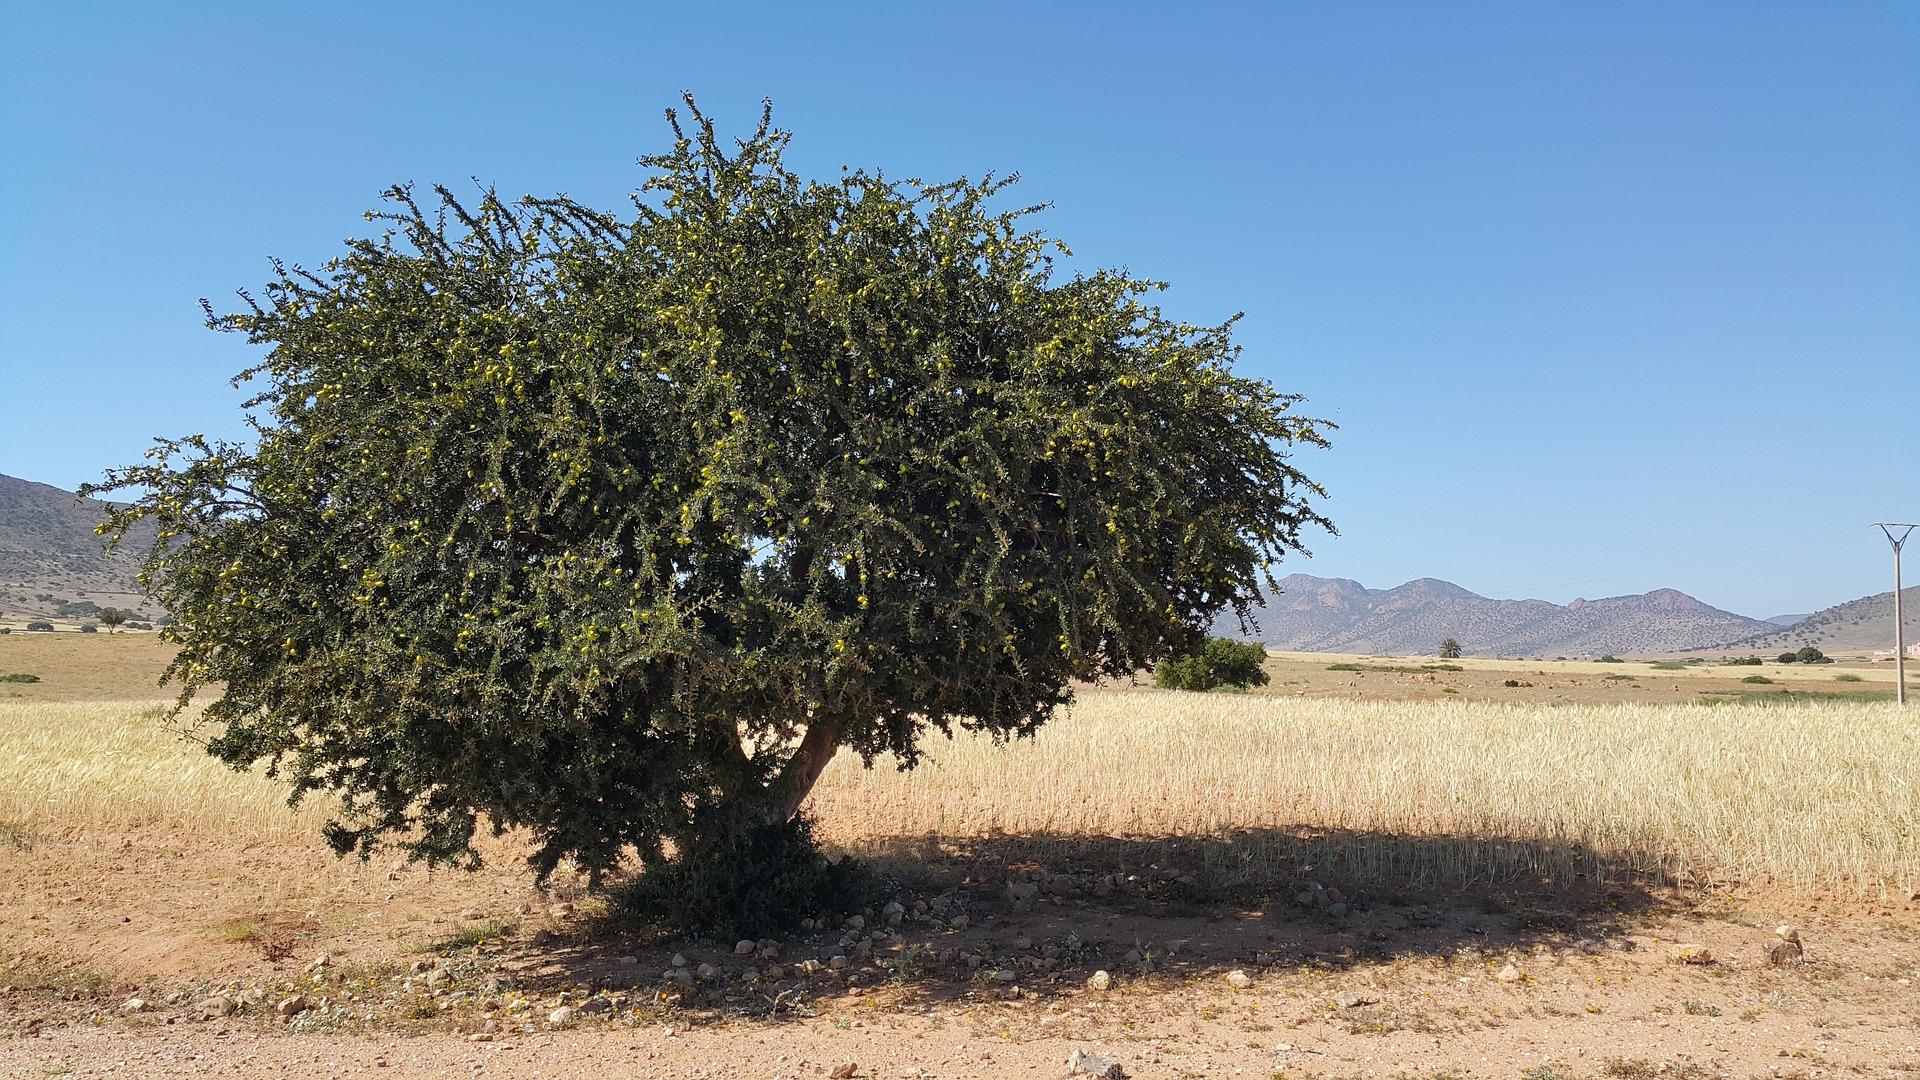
(999, 917)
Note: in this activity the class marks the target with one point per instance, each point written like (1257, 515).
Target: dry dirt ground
(983, 974)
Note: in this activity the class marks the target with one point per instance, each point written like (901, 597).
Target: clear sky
(1605, 297)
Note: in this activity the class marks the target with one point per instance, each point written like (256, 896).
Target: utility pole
(1899, 629)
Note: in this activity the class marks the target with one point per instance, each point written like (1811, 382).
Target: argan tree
(111, 618)
(616, 527)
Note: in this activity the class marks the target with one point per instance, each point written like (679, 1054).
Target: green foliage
(19, 677)
(1756, 679)
(1611, 659)
(759, 879)
(1744, 661)
(1450, 649)
(1396, 669)
(1848, 677)
(1510, 683)
(39, 625)
(1810, 655)
(1788, 658)
(89, 629)
(1668, 665)
(1220, 662)
(602, 526)
(111, 618)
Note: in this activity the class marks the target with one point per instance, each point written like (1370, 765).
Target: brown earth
(1409, 983)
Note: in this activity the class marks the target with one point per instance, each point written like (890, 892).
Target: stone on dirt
(1695, 954)
(560, 1016)
(1353, 1000)
(1082, 1063)
(1239, 979)
(744, 947)
(216, 1006)
(1508, 974)
(1100, 980)
(845, 1070)
(293, 1006)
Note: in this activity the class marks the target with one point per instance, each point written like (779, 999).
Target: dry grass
(80, 765)
(1456, 793)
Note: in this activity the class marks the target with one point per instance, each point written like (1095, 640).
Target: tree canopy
(614, 527)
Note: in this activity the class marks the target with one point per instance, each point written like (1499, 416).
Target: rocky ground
(1029, 974)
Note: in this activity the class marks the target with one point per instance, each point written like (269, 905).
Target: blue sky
(1605, 297)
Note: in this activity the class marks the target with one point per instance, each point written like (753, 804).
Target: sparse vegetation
(1668, 665)
(1848, 677)
(1762, 679)
(1394, 669)
(1450, 649)
(19, 677)
(1611, 659)
(40, 625)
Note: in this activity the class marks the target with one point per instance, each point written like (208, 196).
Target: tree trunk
(803, 769)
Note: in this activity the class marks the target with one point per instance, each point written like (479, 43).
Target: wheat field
(1814, 796)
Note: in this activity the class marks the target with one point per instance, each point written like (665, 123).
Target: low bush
(1745, 661)
(1848, 677)
(20, 677)
(1220, 662)
(1611, 659)
(40, 626)
(747, 883)
(1757, 679)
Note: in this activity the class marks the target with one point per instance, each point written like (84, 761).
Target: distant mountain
(1314, 614)
(1784, 620)
(50, 555)
(1863, 624)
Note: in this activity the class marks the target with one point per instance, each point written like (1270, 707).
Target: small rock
(216, 1006)
(855, 922)
(1508, 974)
(1083, 1063)
(559, 1016)
(1337, 910)
(325, 959)
(480, 1037)
(744, 947)
(1785, 953)
(561, 911)
(679, 960)
(845, 1070)
(1354, 1000)
(1022, 890)
(1697, 955)
(960, 922)
(134, 1005)
(1099, 980)
(626, 961)
(1239, 979)
(596, 1005)
(706, 971)
(292, 1006)
(1005, 975)
(838, 962)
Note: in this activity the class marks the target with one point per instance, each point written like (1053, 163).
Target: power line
(1899, 631)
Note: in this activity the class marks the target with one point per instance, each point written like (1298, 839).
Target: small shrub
(1611, 659)
(1848, 677)
(1345, 667)
(1616, 677)
(1512, 682)
(1758, 680)
(1744, 661)
(89, 629)
(747, 882)
(1220, 662)
(1788, 658)
(40, 626)
(1449, 690)
(1669, 665)
(22, 677)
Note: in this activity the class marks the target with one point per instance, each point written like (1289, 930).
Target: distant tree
(1810, 655)
(1788, 658)
(616, 529)
(1450, 649)
(89, 628)
(39, 625)
(1220, 662)
(111, 618)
